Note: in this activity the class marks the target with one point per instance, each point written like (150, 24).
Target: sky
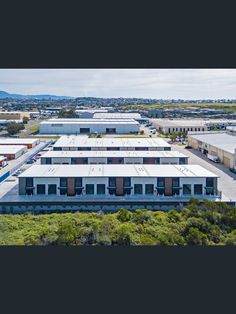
(140, 83)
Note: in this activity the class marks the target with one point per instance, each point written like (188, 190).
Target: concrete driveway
(227, 180)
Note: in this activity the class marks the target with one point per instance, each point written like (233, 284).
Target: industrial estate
(63, 156)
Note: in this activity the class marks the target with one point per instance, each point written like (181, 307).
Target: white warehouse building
(113, 157)
(89, 126)
(156, 181)
(101, 144)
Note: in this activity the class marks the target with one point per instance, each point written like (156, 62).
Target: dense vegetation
(67, 113)
(208, 223)
(14, 128)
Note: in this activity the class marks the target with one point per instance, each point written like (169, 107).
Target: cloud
(144, 83)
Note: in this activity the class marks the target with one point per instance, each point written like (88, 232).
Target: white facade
(11, 151)
(119, 180)
(87, 126)
(29, 142)
(114, 157)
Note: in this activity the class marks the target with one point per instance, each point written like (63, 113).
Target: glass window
(78, 182)
(100, 188)
(29, 182)
(149, 188)
(52, 189)
(40, 189)
(158, 161)
(48, 161)
(175, 182)
(198, 189)
(57, 148)
(209, 182)
(89, 188)
(166, 148)
(112, 182)
(63, 182)
(138, 189)
(182, 160)
(127, 181)
(186, 189)
(160, 182)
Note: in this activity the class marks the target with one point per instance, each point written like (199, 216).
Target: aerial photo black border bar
(118, 279)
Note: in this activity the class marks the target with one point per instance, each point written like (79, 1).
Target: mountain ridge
(6, 95)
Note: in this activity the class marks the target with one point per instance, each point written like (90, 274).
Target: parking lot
(227, 180)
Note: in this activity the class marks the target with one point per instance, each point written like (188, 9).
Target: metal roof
(117, 115)
(82, 141)
(11, 149)
(49, 171)
(90, 121)
(17, 141)
(221, 140)
(113, 153)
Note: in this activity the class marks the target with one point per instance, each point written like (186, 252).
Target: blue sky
(143, 83)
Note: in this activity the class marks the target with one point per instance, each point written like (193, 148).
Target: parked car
(18, 172)
(232, 170)
(188, 147)
(29, 161)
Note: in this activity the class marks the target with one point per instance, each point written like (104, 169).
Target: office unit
(164, 181)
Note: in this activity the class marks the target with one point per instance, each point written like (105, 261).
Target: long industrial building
(119, 180)
(169, 126)
(29, 142)
(219, 144)
(114, 157)
(85, 143)
(89, 126)
(12, 151)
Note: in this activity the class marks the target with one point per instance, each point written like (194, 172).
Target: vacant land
(208, 223)
(227, 107)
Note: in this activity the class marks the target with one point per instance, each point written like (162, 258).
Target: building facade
(12, 151)
(113, 157)
(220, 144)
(119, 180)
(89, 126)
(28, 142)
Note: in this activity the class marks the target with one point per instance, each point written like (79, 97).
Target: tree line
(207, 223)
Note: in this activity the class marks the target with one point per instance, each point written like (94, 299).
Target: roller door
(226, 162)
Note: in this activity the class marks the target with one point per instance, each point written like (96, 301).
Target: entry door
(70, 186)
(119, 186)
(168, 186)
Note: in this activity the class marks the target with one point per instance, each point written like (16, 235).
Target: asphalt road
(227, 180)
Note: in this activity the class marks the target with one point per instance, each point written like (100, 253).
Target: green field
(224, 106)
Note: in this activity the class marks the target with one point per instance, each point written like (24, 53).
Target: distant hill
(5, 95)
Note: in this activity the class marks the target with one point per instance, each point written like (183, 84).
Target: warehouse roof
(2, 158)
(11, 149)
(221, 140)
(178, 122)
(81, 141)
(90, 121)
(113, 153)
(13, 141)
(117, 115)
(49, 171)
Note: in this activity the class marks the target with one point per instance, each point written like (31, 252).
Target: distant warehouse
(220, 144)
(119, 115)
(12, 152)
(113, 157)
(169, 126)
(112, 144)
(87, 126)
(29, 142)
